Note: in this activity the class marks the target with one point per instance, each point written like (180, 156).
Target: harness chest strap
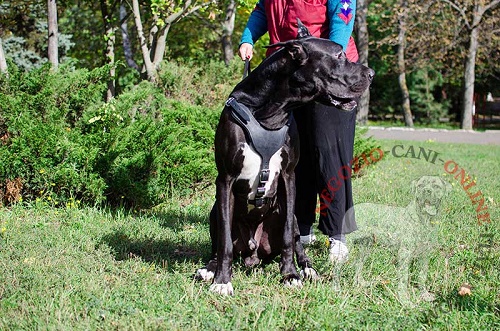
(265, 142)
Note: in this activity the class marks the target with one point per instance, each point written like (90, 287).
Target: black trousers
(324, 169)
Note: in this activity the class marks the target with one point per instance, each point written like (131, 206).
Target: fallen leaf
(465, 289)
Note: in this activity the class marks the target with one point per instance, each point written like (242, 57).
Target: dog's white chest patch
(251, 169)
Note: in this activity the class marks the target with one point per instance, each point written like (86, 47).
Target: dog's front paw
(293, 283)
(204, 274)
(309, 274)
(222, 289)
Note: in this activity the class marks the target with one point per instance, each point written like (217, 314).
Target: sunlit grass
(85, 268)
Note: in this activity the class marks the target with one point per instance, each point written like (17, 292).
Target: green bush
(208, 85)
(60, 143)
(363, 148)
(155, 145)
(65, 144)
(40, 146)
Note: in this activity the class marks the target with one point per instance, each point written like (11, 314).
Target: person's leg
(305, 175)
(334, 144)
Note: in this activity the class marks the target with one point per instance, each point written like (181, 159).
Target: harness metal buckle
(229, 100)
(264, 176)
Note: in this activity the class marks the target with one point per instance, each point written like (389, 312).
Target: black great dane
(257, 148)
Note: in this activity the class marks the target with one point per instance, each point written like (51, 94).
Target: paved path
(489, 137)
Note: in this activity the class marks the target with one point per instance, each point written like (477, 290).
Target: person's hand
(246, 51)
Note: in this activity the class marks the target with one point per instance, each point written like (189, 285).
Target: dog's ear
(297, 51)
(302, 31)
(413, 186)
(447, 186)
(295, 48)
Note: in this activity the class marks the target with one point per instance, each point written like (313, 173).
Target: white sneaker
(307, 239)
(338, 251)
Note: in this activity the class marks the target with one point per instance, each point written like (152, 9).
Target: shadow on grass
(165, 253)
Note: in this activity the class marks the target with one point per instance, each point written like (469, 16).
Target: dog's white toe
(222, 289)
(204, 274)
(309, 274)
(293, 282)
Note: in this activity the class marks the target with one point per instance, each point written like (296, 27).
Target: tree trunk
(3, 61)
(362, 44)
(148, 64)
(109, 36)
(402, 66)
(227, 32)
(158, 37)
(480, 8)
(469, 79)
(160, 45)
(127, 45)
(53, 51)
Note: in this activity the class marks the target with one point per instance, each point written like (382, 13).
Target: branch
(491, 5)
(482, 10)
(185, 11)
(461, 11)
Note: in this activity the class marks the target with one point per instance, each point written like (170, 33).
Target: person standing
(326, 133)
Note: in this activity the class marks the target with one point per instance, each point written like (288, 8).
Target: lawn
(95, 269)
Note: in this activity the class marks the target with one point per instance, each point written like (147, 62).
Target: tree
(165, 14)
(362, 34)
(410, 38)
(3, 61)
(227, 31)
(53, 50)
(109, 36)
(127, 44)
(401, 44)
(472, 13)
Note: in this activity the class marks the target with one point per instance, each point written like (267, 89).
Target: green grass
(92, 269)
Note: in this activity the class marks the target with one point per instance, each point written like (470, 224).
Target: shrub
(363, 147)
(40, 145)
(60, 142)
(207, 86)
(155, 145)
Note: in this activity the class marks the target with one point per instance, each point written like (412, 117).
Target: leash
(246, 70)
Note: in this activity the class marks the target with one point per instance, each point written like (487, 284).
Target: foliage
(364, 147)
(40, 145)
(63, 142)
(428, 105)
(157, 147)
(207, 84)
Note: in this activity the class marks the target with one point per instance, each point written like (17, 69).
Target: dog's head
(323, 72)
(429, 193)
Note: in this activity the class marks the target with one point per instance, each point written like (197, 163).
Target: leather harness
(265, 142)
